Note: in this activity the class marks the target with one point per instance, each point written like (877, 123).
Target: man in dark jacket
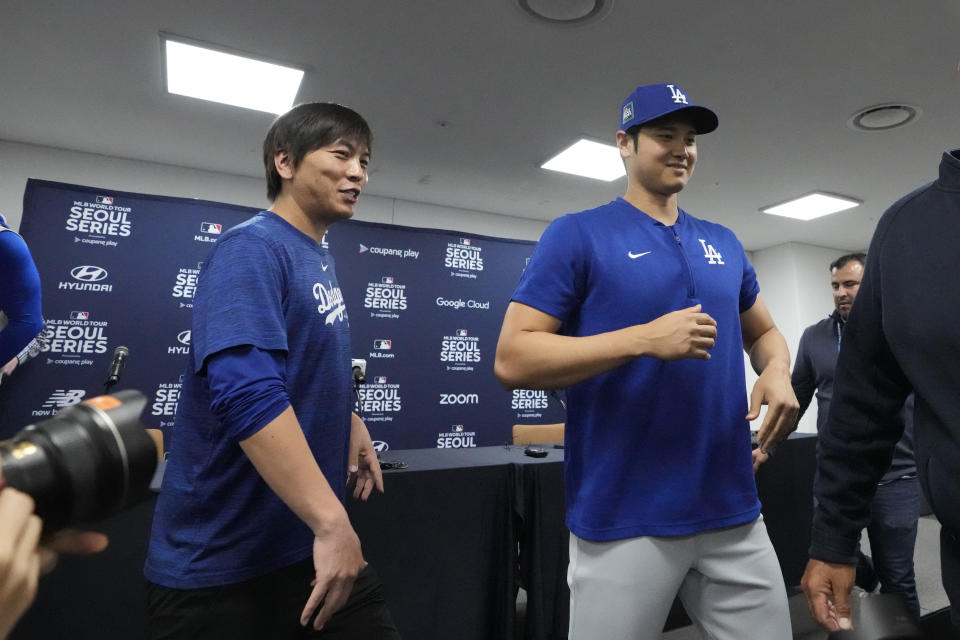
(901, 337)
(896, 505)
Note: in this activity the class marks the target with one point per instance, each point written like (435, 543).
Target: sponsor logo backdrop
(121, 268)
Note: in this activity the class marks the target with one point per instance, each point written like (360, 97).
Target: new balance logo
(64, 398)
(677, 95)
(712, 255)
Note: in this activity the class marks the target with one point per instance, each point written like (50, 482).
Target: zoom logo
(459, 398)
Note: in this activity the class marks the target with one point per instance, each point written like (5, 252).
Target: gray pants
(729, 581)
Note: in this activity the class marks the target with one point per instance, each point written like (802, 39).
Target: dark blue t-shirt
(217, 522)
(21, 317)
(653, 447)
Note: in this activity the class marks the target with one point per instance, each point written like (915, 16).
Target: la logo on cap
(627, 112)
(677, 95)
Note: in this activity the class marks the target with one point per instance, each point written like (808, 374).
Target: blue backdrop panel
(120, 268)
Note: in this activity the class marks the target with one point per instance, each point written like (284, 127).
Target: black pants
(950, 570)
(266, 608)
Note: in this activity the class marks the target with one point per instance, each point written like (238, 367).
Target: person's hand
(19, 559)
(71, 542)
(337, 561)
(9, 367)
(363, 465)
(759, 457)
(827, 587)
(773, 389)
(685, 333)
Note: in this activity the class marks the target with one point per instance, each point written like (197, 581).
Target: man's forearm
(770, 350)
(542, 360)
(282, 457)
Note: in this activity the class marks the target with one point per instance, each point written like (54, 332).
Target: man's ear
(283, 162)
(624, 144)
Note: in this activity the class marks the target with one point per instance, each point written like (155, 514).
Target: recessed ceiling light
(209, 74)
(588, 159)
(812, 206)
(881, 117)
(566, 11)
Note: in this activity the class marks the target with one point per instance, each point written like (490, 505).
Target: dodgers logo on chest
(329, 302)
(712, 255)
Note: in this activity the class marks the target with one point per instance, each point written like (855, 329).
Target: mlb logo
(461, 332)
(382, 344)
(464, 240)
(104, 199)
(363, 248)
(380, 380)
(210, 227)
(387, 279)
(79, 315)
(457, 428)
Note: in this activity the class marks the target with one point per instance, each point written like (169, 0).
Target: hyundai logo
(184, 337)
(380, 446)
(88, 273)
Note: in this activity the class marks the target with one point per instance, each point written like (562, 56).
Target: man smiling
(642, 310)
(250, 539)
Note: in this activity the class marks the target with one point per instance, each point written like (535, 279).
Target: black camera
(87, 462)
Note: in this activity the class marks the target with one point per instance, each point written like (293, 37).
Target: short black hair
(308, 127)
(842, 261)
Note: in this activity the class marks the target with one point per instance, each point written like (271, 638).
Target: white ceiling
(467, 97)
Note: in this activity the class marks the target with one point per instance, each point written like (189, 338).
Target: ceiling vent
(882, 117)
(569, 12)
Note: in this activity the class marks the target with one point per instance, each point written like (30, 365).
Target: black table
(453, 537)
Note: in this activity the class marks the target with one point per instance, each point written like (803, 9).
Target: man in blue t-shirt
(21, 319)
(641, 311)
(250, 538)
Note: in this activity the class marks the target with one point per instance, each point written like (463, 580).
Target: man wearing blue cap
(641, 311)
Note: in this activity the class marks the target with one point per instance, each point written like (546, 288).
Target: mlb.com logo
(79, 315)
(104, 199)
(464, 240)
(380, 380)
(461, 332)
(382, 344)
(457, 428)
(387, 279)
(211, 227)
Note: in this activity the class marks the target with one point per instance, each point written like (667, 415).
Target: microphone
(120, 355)
(359, 370)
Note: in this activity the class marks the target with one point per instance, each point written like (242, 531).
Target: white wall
(795, 284)
(21, 161)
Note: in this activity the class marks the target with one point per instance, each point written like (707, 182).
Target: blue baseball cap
(652, 101)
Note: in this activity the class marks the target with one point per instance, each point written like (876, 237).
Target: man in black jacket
(896, 506)
(902, 336)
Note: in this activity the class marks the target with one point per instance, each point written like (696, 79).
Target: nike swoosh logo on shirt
(634, 256)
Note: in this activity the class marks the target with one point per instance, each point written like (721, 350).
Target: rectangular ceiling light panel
(812, 206)
(213, 75)
(588, 159)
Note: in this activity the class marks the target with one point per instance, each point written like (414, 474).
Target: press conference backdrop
(121, 268)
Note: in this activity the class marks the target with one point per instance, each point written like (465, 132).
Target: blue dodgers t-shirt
(217, 522)
(653, 447)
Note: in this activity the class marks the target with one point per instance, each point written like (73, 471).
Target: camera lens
(87, 462)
